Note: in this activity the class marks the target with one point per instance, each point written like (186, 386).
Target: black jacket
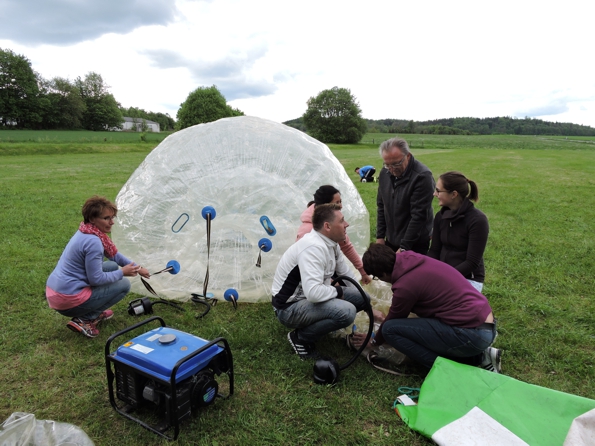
(405, 211)
(460, 238)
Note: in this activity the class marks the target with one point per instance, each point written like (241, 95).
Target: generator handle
(132, 327)
(229, 372)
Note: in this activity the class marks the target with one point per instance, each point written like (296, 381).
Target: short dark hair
(379, 260)
(324, 213)
(356, 169)
(95, 206)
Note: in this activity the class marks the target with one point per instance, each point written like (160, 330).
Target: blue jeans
(424, 339)
(102, 297)
(314, 320)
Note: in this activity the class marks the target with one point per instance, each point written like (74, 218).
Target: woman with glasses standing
(83, 286)
(460, 230)
(323, 195)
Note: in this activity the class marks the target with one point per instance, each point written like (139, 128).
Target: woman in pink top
(329, 194)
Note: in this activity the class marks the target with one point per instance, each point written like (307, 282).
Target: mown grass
(51, 142)
(539, 260)
(67, 136)
(537, 142)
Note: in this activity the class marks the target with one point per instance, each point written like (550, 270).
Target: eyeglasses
(438, 190)
(395, 165)
(112, 218)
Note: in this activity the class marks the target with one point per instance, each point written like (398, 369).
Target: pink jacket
(345, 245)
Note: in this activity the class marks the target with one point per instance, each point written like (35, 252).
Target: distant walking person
(460, 230)
(366, 173)
(83, 286)
(404, 200)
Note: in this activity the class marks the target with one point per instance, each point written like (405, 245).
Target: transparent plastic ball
(256, 176)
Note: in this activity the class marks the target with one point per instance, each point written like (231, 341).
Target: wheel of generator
(205, 390)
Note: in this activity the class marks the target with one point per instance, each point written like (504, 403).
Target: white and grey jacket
(306, 271)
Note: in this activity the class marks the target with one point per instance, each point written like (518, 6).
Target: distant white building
(140, 124)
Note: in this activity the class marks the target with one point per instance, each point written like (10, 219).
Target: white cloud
(404, 60)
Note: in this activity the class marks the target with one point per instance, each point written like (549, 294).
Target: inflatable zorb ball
(244, 168)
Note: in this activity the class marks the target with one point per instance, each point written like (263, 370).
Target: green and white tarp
(462, 405)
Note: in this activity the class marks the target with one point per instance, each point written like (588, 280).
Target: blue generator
(164, 375)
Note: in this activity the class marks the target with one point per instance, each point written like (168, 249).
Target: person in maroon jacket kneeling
(454, 320)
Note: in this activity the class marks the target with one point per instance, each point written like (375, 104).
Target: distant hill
(296, 124)
(470, 126)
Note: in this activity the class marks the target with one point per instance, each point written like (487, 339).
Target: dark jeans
(424, 339)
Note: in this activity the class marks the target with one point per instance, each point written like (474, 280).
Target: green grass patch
(51, 142)
(539, 264)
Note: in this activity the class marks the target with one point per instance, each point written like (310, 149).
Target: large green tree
(19, 91)
(205, 104)
(64, 105)
(334, 116)
(102, 111)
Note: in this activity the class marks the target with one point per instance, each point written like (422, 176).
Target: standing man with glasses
(404, 200)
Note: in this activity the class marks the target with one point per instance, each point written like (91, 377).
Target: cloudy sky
(401, 59)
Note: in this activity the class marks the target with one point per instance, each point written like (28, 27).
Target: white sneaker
(492, 360)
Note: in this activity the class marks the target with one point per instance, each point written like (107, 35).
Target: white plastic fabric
(243, 167)
(22, 429)
(582, 430)
(476, 428)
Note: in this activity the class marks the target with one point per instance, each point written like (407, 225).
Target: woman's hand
(366, 279)
(132, 270)
(378, 316)
(357, 339)
(144, 272)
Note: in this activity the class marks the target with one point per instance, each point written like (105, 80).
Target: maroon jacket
(432, 289)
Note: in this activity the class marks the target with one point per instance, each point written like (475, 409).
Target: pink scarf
(108, 246)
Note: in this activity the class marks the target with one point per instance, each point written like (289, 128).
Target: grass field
(538, 196)
(51, 142)
(82, 136)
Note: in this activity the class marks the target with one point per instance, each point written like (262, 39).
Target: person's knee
(109, 265)
(393, 328)
(123, 286)
(353, 296)
(346, 315)
(126, 284)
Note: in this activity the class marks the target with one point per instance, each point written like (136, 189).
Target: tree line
(28, 101)
(480, 126)
(469, 126)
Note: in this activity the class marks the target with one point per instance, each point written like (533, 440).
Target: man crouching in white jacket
(303, 297)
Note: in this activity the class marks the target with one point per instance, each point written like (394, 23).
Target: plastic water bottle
(388, 353)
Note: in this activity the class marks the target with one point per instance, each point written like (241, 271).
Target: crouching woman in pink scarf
(83, 286)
